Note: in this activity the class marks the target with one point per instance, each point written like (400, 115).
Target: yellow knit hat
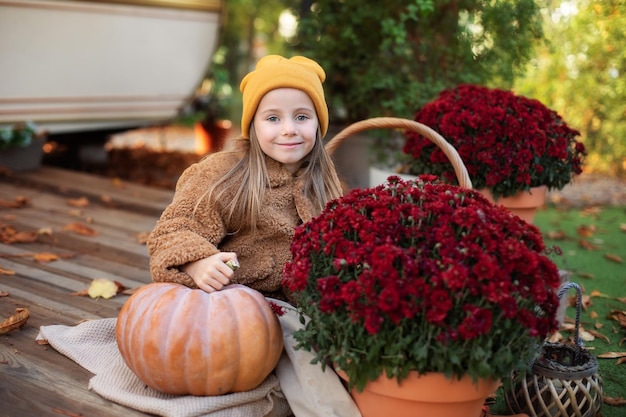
(275, 71)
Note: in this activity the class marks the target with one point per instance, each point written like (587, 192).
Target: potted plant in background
(388, 58)
(512, 146)
(415, 279)
(21, 146)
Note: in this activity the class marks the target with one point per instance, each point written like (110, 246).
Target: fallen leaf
(46, 231)
(9, 235)
(599, 336)
(622, 227)
(615, 401)
(586, 275)
(586, 335)
(591, 211)
(556, 235)
(75, 213)
(4, 293)
(5, 271)
(81, 293)
(586, 230)
(593, 315)
(556, 338)
(585, 244)
(102, 287)
(80, 202)
(42, 342)
(596, 293)
(613, 258)
(45, 257)
(612, 355)
(16, 321)
(80, 229)
(572, 301)
(117, 182)
(620, 361)
(619, 316)
(19, 202)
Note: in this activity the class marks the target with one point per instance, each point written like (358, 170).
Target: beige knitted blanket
(295, 388)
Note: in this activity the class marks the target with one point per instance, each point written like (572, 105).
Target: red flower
(392, 274)
(477, 322)
(508, 143)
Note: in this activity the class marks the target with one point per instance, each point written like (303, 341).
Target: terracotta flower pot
(523, 204)
(430, 395)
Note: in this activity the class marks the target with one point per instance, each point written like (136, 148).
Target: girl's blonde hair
(250, 176)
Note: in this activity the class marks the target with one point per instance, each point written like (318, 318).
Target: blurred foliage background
(571, 56)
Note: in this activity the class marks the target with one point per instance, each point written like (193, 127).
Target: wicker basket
(563, 381)
(406, 124)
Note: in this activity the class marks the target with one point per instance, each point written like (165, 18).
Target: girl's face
(286, 126)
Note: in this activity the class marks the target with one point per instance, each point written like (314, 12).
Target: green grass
(592, 242)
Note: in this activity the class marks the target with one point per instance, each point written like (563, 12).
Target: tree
(579, 73)
(249, 29)
(391, 57)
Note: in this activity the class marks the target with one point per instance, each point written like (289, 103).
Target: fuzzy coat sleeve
(180, 236)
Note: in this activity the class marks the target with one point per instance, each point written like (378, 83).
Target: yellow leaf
(596, 293)
(102, 287)
(5, 271)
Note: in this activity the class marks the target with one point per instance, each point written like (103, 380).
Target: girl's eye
(272, 119)
(302, 117)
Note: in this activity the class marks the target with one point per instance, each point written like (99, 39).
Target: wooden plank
(119, 193)
(84, 265)
(37, 380)
(51, 205)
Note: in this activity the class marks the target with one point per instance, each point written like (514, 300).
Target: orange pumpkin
(180, 340)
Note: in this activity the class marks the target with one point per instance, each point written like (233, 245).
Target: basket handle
(398, 123)
(579, 293)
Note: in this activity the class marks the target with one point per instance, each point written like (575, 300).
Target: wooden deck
(36, 380)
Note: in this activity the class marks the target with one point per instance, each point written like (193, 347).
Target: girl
(241, 205)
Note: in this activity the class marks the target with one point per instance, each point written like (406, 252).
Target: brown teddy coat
(180, 236)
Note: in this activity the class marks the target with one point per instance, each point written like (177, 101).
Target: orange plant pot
(430, 395)
(523, 204)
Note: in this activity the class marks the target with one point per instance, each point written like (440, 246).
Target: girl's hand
(212, 273)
